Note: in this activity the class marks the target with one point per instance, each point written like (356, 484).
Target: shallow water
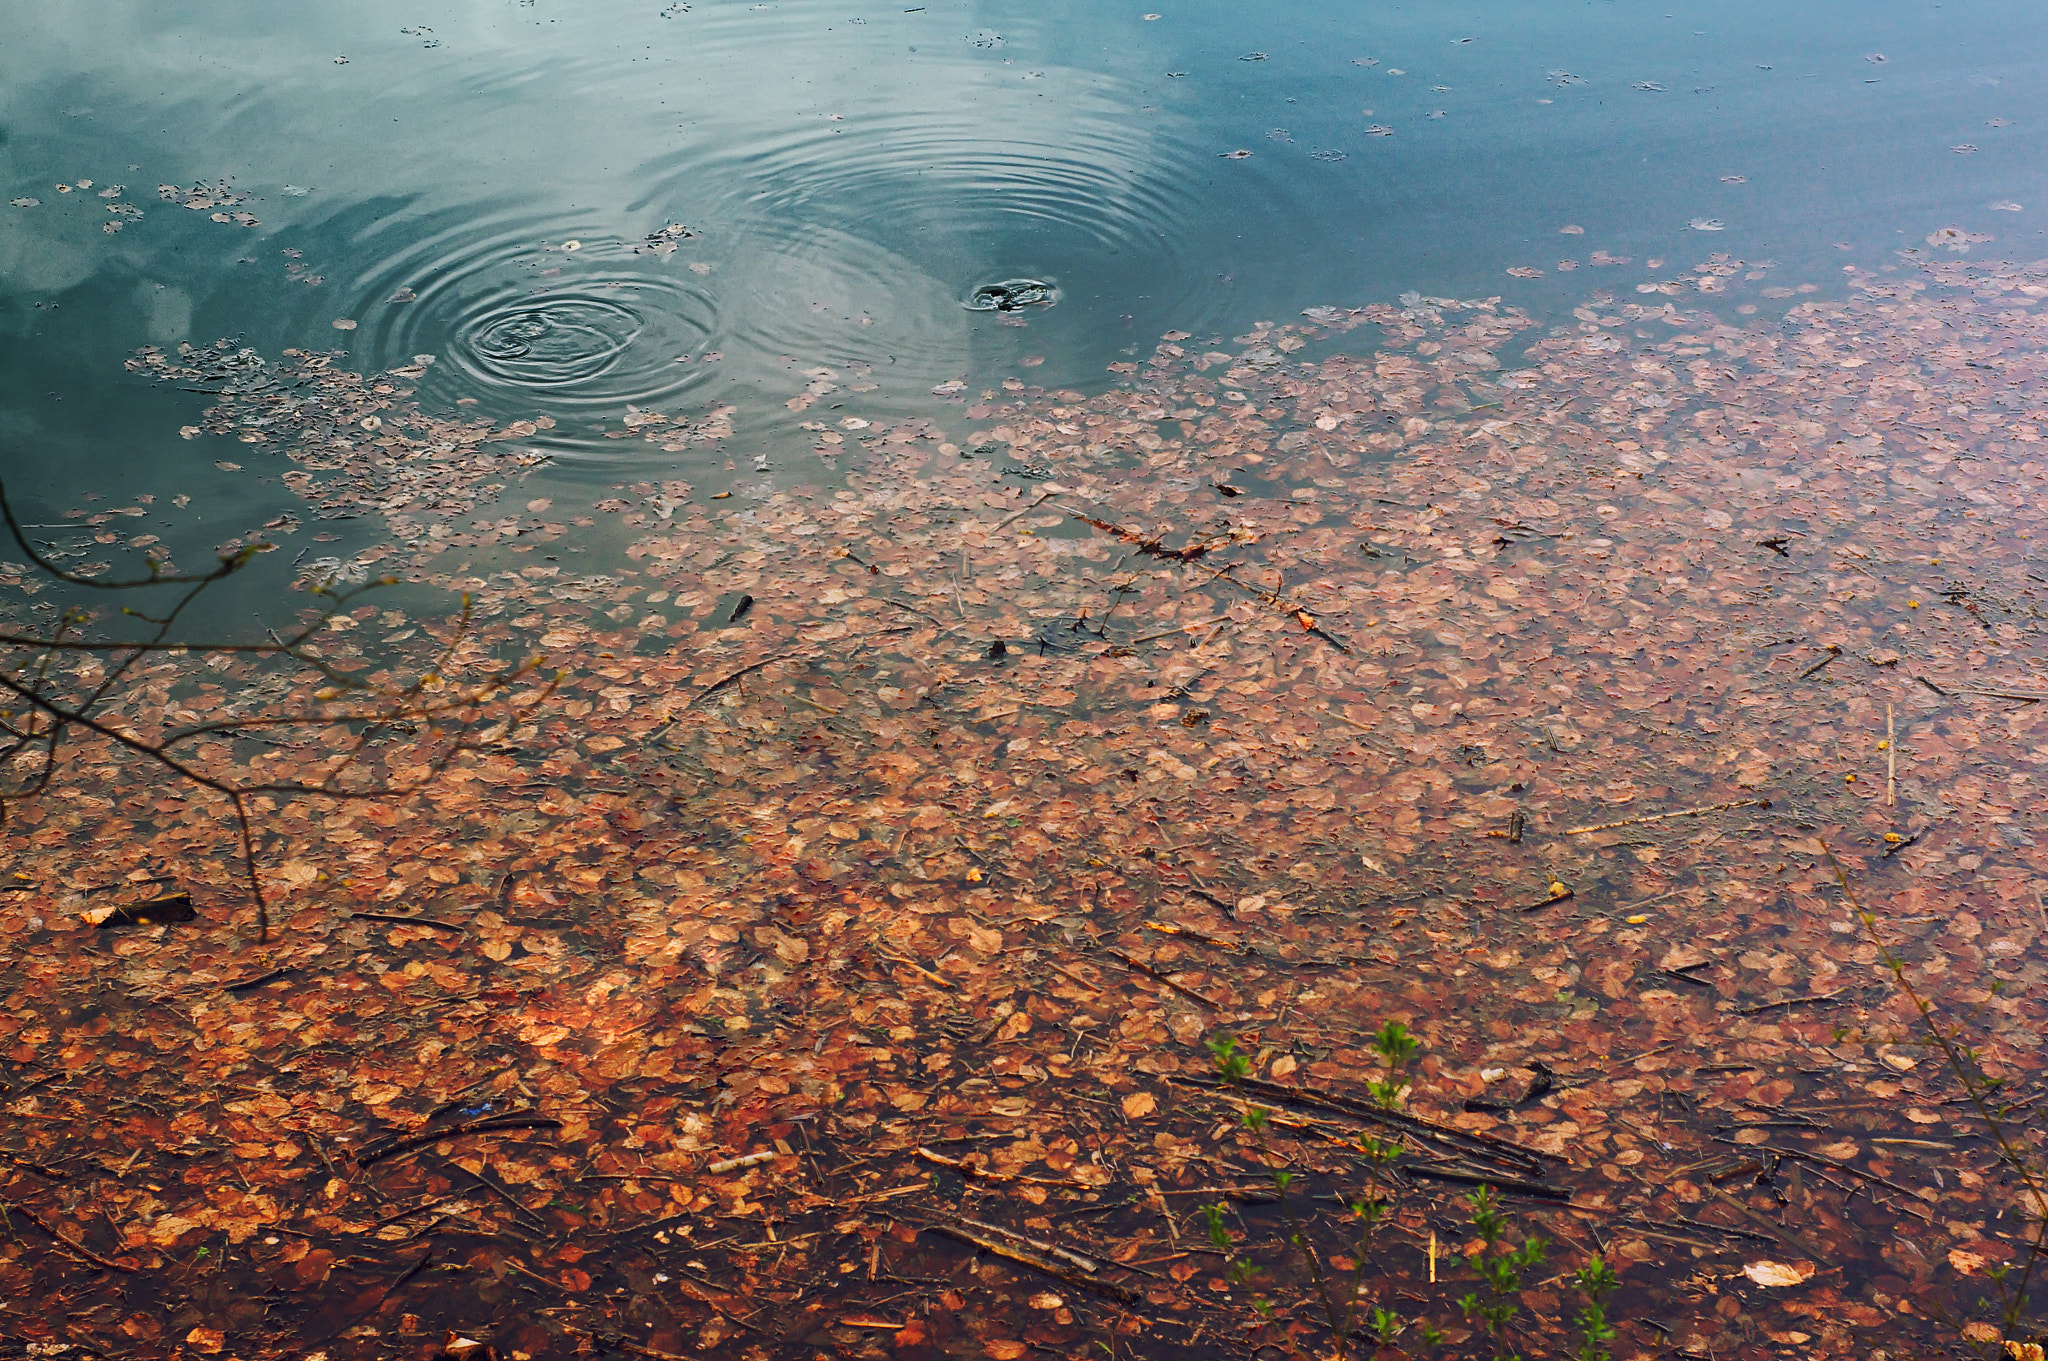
(728, 268)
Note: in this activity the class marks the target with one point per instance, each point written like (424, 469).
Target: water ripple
(520, 309)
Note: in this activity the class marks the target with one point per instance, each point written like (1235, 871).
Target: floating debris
(1013, 295)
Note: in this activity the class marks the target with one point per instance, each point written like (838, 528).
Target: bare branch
(443, 716)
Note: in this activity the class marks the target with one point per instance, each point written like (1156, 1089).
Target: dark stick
(258, 981)
(1833, 652)
(78, 1249)
(1790, 1002)
(737, 676)
(407, 921)
(377, 1153)
(1121, 1293)
(1507, 1185)
(1153, 973)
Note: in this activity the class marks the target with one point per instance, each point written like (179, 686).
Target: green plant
(1395, 1046)
(1596, 1281)
(1499, 1266)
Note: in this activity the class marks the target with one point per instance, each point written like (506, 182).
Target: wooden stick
(1471, 1143)
(615, 1340)
(1778, 1231)
(1891, 759)
(1990, 692)
(995, 1247)
(1681, 813)
(976, 1172)
(378, 1152)
(1182, 628)
(1142, 967)
(1346, 718)
(407, 921)
(1064, 971)
(1073, 1259)
(1026, 511)
(1762, 1007)
(76, 1249)
(738, 676)
(919, 969)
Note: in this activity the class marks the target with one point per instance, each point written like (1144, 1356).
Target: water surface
(576, 207)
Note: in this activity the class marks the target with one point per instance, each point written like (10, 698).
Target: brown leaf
(1778, 1273)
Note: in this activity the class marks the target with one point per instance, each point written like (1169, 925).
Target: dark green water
(756, 190)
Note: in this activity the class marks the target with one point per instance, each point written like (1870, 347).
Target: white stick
(1891, 758)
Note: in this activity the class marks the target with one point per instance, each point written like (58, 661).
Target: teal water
(574, 207)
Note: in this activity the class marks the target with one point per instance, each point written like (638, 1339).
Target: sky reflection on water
(834, 183)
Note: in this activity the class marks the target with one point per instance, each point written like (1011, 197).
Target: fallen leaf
(1778, 1273)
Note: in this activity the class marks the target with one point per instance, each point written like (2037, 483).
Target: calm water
(577, 206)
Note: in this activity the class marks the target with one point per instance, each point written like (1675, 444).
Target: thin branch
(352, 699)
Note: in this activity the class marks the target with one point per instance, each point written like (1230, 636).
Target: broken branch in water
(736, 677)
(1660, 817)
(1156, 975)
(391, 1148)
(1153, 548)
(8, 1207)
(1044, 1265)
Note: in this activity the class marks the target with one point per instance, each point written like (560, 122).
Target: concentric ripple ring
(551, 342)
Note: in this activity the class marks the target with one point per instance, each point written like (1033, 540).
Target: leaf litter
(822, 971)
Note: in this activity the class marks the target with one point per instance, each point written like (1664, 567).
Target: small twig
(1660, 817)
(251, 984)
(76, 1249)
(915, 967)
(737, 676)
(1182, 628)
(1833, 652)
(1551, 901)
(615, 1340)
(1027, 510)
(1064, 971)
(976, 1172)
(1999, 692)
(1155, 974)
(1506, 1185)
(1761, 1007)
(1123, 1294)
(407, 921)
(415, 1269)
(1346, 718)
(1891, 758)
(377, 1153)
